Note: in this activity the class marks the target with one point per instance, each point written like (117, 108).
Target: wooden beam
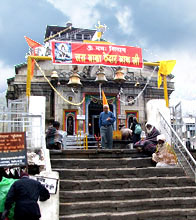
(151, 64)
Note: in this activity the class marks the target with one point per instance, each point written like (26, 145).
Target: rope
(71, 103)
(135, 99)
(60, 32)
(76, 104)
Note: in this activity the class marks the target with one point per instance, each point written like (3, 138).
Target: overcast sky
(164, 29)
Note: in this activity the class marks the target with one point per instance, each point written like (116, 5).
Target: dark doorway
(95, 125)
(94, 110)
(70, 125)
(130, 121)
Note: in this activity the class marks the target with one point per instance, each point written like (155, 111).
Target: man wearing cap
(106, 121)
(165, 155)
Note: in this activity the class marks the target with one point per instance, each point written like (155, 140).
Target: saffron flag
(105, 101)
(32, 44)
(165, 69)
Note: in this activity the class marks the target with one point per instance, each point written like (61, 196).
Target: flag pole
(100, 90)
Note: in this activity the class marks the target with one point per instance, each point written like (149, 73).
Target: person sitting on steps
(54, 140)
(165, 155)
(148, 145)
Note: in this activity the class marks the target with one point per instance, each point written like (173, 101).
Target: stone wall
(39, 87)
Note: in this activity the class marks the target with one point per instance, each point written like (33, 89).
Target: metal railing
(16, 118)
(185, 159)
(85, 144)
(82, 139)
(24, 122)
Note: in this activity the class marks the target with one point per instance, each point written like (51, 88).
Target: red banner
(96, 54)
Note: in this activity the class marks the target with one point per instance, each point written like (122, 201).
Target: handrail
(82, 141)
(85, 142)
(187, 151)
(79, 138)
(188, 158)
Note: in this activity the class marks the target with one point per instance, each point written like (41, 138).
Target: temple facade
(126, 99)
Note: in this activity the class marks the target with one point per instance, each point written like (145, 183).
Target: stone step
(159, 214)
(101, 163)
(76, 140)
(80, 143)
(95, 153)
(120, 183)
(126, 194)
(75, 147)
(89, 174)
(79, 138)
(127, 205)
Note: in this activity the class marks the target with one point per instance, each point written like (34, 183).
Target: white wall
(37, 106)
(50, 208)
(153, 107)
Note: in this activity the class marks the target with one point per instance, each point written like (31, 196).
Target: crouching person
(25, 194)
(164, 155)
(54, 139)
(126, 132)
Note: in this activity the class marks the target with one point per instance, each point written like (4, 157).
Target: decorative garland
(94, 99)
(135, 99)
(97, 100)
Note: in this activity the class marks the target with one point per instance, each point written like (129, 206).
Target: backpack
(138, 129)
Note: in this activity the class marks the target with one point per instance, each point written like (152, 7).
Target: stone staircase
(121, 184)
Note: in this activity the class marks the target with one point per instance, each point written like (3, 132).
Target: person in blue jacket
(106, 121)
(25, 194)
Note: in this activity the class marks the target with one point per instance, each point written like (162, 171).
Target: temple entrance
(70, 122)
(94, 110)
(70, 125)
(129, 117)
